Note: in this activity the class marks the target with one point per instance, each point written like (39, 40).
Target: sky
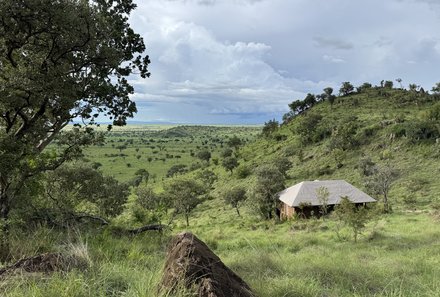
(244, 61)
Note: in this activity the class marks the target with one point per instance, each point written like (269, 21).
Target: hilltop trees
(60, 60)
(346, 88)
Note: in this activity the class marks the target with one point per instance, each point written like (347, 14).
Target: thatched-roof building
(303, 197)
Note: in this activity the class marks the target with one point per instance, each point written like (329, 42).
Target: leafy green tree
(365, 86)
(235, 197)
(185, 194)
(307, 126)
(230, 163)
(380, 183)
(74, 190)
(283, 164)
(353, 217)
(344, 136)
(177, 169)
(346, 88)
(328, 91)
(270, 127)
(61, 60)
(436, 89)
(208, 177)
(153, 202)
(269, 182)
(204, 155)
(322, 193)
(388, 84)
(226, 153)
(141, 175)
(234, 142)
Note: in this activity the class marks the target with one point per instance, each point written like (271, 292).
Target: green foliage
(235, 197)
(177, 169)
(141, 175)
(157, 204)
(204, 155)
(208, 178)
(346, 88)
(322, 193)
(269, 182)
(235, 142)
(243, 171)
(344, 135)
(270, 127)
(352, 216)
(230, 163)
(77, 189)
(381, 181)
(60, 60)
(185, 194)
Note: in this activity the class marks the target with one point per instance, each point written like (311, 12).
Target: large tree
(59, 61)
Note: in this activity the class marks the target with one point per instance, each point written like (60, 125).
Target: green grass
(397, 256)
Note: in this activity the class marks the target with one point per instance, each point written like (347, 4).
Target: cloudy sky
(243, 61)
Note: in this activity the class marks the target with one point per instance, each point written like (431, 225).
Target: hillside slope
(387, 127)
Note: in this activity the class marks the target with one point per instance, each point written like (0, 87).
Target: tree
(381, 181)
(141, 175)
(235, 142)
(270, 127)
(346, 88)
(60, 60)
(226, 153)
(235, 197)
(353, 217)
(230, 163)
(208, 177)
(322, 193)
(436, 89)
(388, 84)
(204, 155)
(153, 202)
(269, 182)
(176, 169)
(185, 194)
(76, 189)
(399, 80)
(328, 91)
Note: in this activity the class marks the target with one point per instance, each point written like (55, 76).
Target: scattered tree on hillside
(346, 88)
(388, 84)
(270, 127)
(230, 163)
(208, 177)
(157, 204)
(177, 169)
(141, 175)
(269, 182)
(352, 216)
(185, 194)
(399, 80)
(71, 192)
(381, 181)
(235, 142)
(436, 89)
(60, 60)
(226, 153)
(235, 197)
(204, 155)
(322, 193)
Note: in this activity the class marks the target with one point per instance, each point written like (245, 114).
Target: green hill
(392, 127)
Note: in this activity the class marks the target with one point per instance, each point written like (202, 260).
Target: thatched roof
(306, 193)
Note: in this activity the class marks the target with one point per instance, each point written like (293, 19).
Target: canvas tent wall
(305, 193)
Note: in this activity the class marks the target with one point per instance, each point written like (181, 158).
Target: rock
(192, 265)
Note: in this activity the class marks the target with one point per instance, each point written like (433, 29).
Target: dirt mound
(46, 263)
(192, 265)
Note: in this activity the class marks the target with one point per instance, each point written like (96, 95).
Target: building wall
(287, 211)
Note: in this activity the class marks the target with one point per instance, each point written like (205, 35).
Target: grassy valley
(397, 253)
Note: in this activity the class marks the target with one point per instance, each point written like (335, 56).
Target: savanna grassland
(397, 253)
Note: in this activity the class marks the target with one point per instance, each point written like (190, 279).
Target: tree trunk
(4, 223)
(238, 212)
(187, 219)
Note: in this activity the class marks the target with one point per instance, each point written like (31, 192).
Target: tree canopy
(60, 61)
